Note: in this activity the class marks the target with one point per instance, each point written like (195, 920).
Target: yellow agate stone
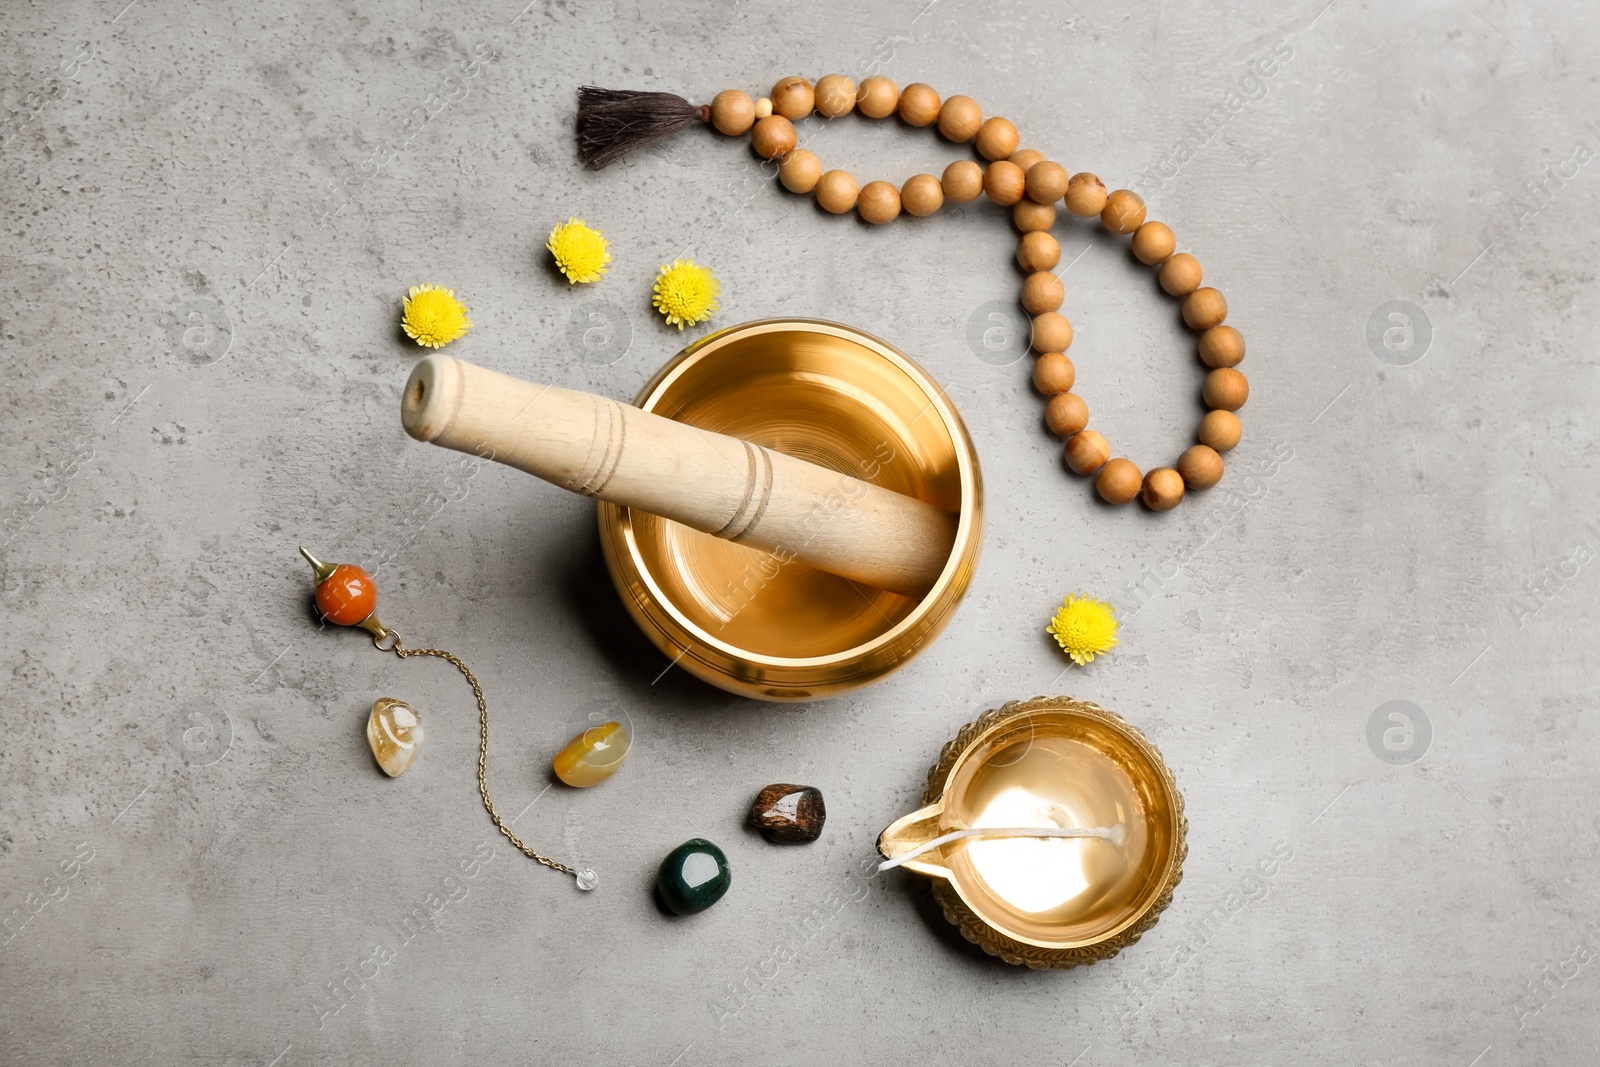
(592, 756)
(394, 730)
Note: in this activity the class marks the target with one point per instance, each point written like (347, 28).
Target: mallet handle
(708, 481)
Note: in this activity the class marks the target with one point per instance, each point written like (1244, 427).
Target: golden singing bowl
(739, 618)
(1049, 762)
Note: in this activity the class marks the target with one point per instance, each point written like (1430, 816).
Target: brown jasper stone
(1026, 158)
(1086, 195)
(1047, 181)
(1163, 489)
(773, 137)
(1086, 452)
(878, 97)
(1200, 466)
(1221, 346)
(962, 181)
(837, 191)
(921, 195)
(733, 112)
(1003, 181)
(1053, 373)
(836, 95)
(1066, 414)
(878, 203)
(1029, 216)
(1042, 292)
(1180, 274)
(1225, 389)
(789, 814)
(1124, 211)
(1153, 242)
(1051, 332)
(799, 171)
(1118, 481)
(1220, 430)
(1204, 308)
(919, 104)
(959, 119)
(997, 139)
(793, 98)
(1038, 251)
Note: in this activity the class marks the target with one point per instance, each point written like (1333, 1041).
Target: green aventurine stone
(693, 877)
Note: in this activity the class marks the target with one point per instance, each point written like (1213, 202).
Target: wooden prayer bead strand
(1028, 183)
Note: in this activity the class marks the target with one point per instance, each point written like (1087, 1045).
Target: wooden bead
(1204, 308)
(1180, 274)
(733, 112)
(1200, 466)
(1053, 373)
(959, 119)
(997, 139)
(799, 171)
(878, 203)
(793, 98)
(921, 195)
(1047, 181)
(1029, 215)
(1026, 158)
(1086, 452)
(837, 191)
(1038, 251)
(1221, 346)
(1118, 481)
(773, 137)
(1051, 332)
(1123, 213)
(1220, 430)
(919, 104)
(763, 108)
(1153, 242)
(878, 97)
(1163, 489)
(1086, 195)
(1003, 181)
(1042, 292)
(836, 95)
(962, 181)
(1225, 389)
(1066, 414)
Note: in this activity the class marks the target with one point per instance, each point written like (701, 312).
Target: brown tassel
(613, 122)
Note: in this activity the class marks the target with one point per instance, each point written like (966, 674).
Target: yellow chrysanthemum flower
(1084, 628)
(686, 293)
(433, 316)
(580, 251)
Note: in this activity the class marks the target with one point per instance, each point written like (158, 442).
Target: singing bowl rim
(854, 667)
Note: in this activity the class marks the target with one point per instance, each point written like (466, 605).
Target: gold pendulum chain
(586, 877)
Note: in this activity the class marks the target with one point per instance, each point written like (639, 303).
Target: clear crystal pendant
(587, 879)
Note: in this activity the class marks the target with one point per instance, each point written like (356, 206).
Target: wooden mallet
(717, 484)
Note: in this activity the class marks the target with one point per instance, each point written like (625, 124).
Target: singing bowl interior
(737, 616)
(1075, 767)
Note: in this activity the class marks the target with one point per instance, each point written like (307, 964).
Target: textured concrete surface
(209, 217)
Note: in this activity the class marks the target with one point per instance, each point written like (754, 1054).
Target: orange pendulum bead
(347, 596)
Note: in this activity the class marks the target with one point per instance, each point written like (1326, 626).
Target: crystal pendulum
(346, 595)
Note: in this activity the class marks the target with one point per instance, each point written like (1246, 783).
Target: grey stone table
(1370, 650)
